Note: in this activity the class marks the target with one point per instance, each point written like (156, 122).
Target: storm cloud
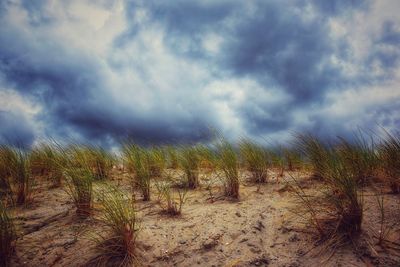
(172, 71)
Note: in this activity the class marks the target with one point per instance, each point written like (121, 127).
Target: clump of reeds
(7, 236)
(172, 157)
(117, 247)
(101, 162)
(277, 160)
(389, 153)
(189, 161)
(6, 192)
(208, 158)
(95, 158)
(292, 159)
(316, 152)
(47, 159)
(336, 212)
(138, 160)
(157, 161)
(228, 164)
(80, 188)
(16, 179)
(170, 200)
(360, 157)
(256, 160)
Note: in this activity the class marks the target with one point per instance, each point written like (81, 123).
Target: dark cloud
(337, 7)
(15, 129)
(285, 48)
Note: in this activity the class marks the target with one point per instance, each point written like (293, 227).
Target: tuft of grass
(171, 201)
(277, 160)
(389, 154)
(157, 160)
(16, 178)
(292, 159)
(101, 162)
(172, 157)
(189, 161)
(6, 192)
(7, 236)
(360, 157)
(256, 160)
(228, 164)
(80, 188)
(138, 160)
(336, 211)
(315, 151)
(118, 246)
(47, 159)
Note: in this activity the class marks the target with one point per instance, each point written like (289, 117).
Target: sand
(258, 230)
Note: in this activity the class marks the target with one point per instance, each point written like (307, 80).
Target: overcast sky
(168, 71)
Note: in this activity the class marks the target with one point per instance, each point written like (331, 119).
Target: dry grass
(139, 161)
(118, 246)
(337, 211)
(7, 237)
(189, 160)
(228, 164)
(256, 160)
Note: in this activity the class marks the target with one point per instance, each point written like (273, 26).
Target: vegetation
(256, 160)
(16, 179)
(47, 159)
(189, 161)
(335, 209)
(139, 161)
(119, 216)
(337, 212)
(390, 157)
(7, 237)
(170, 200)
(80, 188)
(157, 161)
(228, 164)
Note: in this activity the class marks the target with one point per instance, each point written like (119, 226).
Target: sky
(177, 71)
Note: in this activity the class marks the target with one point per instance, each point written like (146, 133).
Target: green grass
(228, 164)
(171, 200)
(189, 161)
(157, 160)
(360, 157)
(16, 179)
(7, 237)
(172, 157)
(389, 154)
(118, 246)
(139, 161)
(336, 212)
(46, 159)
(80, 187)
(255, 160)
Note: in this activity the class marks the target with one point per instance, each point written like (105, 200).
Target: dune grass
(256, 160)
(48, 160)
(117, 247)
(189, 161)
(172, 157)
(7, 236)
(336, 212)
(80, 188)
(16, 179)
(360, 157)
(171, 200)
(228, 164)
(139, 161)
(389, 154)
(157, 160)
